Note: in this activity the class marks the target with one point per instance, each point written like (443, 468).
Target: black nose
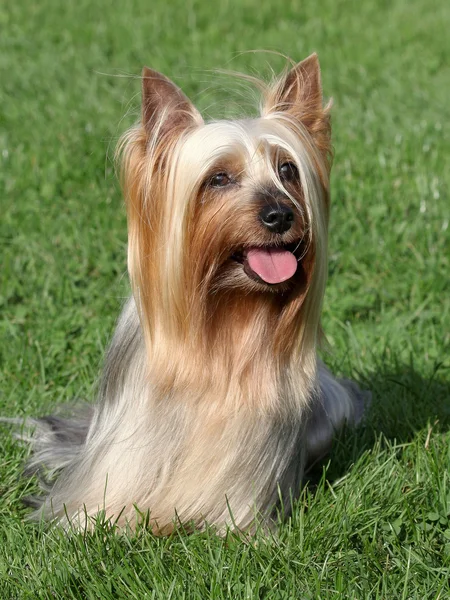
(278, 218)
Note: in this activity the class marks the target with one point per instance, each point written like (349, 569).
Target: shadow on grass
(403, 404)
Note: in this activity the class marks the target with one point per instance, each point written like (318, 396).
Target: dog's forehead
(246, 141)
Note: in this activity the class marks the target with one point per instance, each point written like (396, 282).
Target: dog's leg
(340, 401)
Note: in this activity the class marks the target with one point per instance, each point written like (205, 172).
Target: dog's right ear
(298, 93)
(164, 106)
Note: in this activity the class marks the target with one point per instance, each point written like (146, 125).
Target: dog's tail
(55, 442)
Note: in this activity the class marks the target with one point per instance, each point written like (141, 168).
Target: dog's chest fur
(187, 453)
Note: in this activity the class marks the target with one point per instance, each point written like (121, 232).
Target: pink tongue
(272, 265)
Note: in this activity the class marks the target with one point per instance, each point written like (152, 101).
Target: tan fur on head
(181, 235)
(212, 397)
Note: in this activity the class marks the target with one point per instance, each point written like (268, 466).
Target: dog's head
(236, 210)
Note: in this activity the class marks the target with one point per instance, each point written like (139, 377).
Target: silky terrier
(213, 400)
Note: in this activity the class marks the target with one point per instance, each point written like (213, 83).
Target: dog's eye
(219, 180)
(288, 172)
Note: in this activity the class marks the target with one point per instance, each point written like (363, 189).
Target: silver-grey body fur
(256, 463)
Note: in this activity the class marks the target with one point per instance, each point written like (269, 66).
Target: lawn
(374, 521)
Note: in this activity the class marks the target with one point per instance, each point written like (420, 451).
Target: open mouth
(271, 265)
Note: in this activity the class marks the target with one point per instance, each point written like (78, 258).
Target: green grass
(376, 522)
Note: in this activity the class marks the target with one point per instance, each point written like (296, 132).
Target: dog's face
(229, 207)
(251, 225)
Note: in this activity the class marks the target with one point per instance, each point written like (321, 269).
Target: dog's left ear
(299, 93)
(165, 108)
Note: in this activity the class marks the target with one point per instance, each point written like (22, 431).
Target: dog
(213, 401)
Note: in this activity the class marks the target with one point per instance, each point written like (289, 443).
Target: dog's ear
(164, 106)
(299, 93)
